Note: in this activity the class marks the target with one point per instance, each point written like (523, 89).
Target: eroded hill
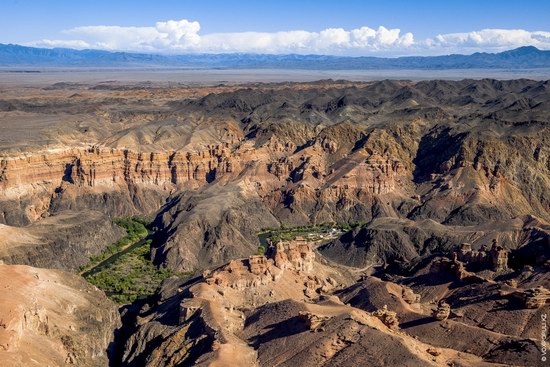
(412, 170)
(217, 164)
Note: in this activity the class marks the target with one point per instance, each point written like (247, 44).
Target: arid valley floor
(326, 223)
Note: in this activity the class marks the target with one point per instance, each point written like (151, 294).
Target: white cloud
(490, 40)
(179, 36)
(278, 42)
(180, 31)
(77, 44)
(366, 37)
(164, 36)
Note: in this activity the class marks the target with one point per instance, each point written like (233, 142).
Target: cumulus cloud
(491, 39)
(180, 36)
(164, 36)
(330, 40)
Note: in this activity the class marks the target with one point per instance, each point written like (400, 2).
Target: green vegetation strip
(285, 233)
(136, 230)
(124, 271)
(132, 276)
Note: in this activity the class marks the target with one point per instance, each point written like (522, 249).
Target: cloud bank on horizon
(182, 36)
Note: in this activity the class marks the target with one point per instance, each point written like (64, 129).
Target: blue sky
(258, 26)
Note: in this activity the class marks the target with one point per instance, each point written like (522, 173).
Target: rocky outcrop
(134, 182)
(534, 297)
(296, 254)
(443, 311)
(238, 315)
(449, 310)
(313, 322)
(52, 318)
(456, 269)
(399, 241)
(495, 259)
(213, 308)
(389, 318)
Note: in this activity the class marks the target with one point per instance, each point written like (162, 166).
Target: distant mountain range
(528, 57)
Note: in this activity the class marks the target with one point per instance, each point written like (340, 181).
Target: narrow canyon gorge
(401, 175)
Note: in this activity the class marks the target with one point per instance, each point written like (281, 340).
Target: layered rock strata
(399, 152)
(35, 184)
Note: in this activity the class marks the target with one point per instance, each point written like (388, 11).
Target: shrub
(132, 276)
(135, 231)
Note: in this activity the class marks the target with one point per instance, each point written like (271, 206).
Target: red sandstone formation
(412, 168)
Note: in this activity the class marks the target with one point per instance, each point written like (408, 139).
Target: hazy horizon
(174, 76)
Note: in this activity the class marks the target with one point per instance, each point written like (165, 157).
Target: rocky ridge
(457, 153)
(249, 311)
(428, 173)
(240, 314)
(52, 318)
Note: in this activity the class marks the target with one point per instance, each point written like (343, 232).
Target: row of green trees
(136, 230)
(132, 276)
(285, 233)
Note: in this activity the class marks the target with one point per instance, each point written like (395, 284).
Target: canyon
(418, 168)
